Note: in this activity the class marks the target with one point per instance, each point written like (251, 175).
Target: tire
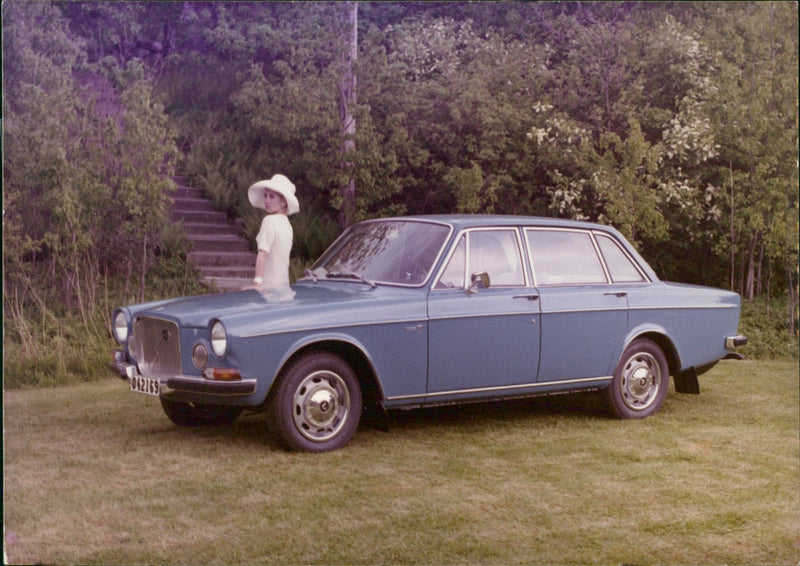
(188, 414)
(640, 382)
(316, 404)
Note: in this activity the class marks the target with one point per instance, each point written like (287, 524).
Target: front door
(484, 339)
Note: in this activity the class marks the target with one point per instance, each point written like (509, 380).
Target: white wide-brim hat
(280, 185)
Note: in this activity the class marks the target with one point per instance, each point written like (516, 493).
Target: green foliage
(45, 344)
(87, 166)
(764, 324)
(676, 123)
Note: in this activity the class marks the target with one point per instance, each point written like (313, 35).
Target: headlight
(121, 327)
(219, 339)
(200, 356)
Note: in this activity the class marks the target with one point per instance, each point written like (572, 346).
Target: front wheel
(198, 414)
(316, 404)
(640, 381)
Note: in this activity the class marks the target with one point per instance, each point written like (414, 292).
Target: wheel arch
(352, 352)
(660, 338)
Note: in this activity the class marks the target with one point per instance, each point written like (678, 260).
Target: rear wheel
(199, 414)
(640, 381)
(316, 404)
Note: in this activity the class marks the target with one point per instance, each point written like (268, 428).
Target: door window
(564, 257)
(453, 275)
(620, 266)
(494, 251)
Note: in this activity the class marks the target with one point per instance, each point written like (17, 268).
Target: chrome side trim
(500, 388)
(574, 311)
(685, 307)
(416, 321)
(405, 322)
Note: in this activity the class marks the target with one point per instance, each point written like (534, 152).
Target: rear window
(620, 266)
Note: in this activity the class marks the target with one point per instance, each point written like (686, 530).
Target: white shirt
(275, 238)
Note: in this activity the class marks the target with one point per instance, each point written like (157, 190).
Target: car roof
(460, 221)
(466, 221)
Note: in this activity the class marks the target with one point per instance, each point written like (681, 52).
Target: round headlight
(120, 327)
(219, 339)
(200, 356)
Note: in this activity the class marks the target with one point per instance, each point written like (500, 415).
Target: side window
(453, 275)
(564, 257)
(497, 253)
(620, 266)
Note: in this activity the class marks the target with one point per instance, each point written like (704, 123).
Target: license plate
(146, 385)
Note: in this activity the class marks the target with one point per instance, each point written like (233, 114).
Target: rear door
(584, 315)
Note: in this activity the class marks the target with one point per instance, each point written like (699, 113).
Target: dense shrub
(767, 328)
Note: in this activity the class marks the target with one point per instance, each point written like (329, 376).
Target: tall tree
(347, 102)
(755, 123)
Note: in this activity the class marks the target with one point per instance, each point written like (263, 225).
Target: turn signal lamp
(222, 374)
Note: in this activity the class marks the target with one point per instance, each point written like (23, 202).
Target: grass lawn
(96, 474)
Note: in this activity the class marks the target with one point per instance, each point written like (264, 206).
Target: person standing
(274, 240)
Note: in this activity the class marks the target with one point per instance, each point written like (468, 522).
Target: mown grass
(95, 474)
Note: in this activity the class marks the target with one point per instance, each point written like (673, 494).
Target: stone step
(229, 271)
(189, 204)
(187, 191)
(193, 229)
(203, 259)
(219, 243)
(227, 283)
(221, 255)
(194, 216)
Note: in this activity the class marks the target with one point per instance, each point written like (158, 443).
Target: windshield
(399, 252)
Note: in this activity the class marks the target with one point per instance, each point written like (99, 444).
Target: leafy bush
(45, 344)
(767, 328)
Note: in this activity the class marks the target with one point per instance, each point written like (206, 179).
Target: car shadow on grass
(568, 405)
(251, 428)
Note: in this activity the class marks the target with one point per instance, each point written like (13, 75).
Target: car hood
(252, 305)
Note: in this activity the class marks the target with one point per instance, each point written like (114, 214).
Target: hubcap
(641, 381)
(321, 406)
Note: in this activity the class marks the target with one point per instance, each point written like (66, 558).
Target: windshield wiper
(309, 273)
(350, 275)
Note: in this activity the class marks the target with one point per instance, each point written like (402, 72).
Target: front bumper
(184, 383)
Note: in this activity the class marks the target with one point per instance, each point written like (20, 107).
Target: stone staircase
(219, 252)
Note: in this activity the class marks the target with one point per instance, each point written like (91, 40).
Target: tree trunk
(143, 272)
(759, 282)
(751, 268)
(347, 100)
(792, 289)
(733, 235)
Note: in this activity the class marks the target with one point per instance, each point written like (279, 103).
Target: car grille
(157, 347)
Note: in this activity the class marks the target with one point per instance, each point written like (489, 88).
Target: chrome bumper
(120, 367)
(732, 342)
(184, 383)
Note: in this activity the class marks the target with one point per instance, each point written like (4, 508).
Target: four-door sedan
(418, 311)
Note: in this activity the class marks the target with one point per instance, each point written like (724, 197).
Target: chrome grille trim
(157, 347)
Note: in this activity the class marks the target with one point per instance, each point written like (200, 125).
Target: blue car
(409, 312)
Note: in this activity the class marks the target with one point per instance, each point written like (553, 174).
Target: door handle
(534, 297)
(616, 293)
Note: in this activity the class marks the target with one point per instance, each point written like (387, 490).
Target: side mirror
(479, 280)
